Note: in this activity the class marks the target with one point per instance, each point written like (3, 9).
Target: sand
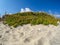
(30, 35)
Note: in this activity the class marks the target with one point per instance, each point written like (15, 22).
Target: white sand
(30, 35)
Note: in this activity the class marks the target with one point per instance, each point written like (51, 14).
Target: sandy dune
(29, 35)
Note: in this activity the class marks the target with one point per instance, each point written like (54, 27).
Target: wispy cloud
(56, 14)
(50, 12)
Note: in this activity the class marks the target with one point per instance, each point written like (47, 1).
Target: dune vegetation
(32, 18)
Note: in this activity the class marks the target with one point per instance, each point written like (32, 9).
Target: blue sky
(13, 6)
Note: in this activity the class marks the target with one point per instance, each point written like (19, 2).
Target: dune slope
(30, 35)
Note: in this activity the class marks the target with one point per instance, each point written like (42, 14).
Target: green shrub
(33, 18)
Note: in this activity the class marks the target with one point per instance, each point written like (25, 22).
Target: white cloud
(26, 10)
(57, 15)
(22, 10)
